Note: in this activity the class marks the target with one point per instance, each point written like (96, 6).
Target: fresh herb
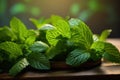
(19, 48)
(55, 39)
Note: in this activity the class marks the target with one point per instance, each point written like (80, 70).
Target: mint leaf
(39, 23)
(62, 28)
(111, 53)
(59, 48)
(96, 55)
(97, 50)
(52, 52)
(77, 57)
(6, 34)
(39, 47)
(55, 18)
(18, 28)
(35, 22)
(80, 33)
(98, 46)
(31, 37)
(12, 49)
(38, 61)
(18, 67)
(95, 37)
(104, 34)
(107, 50)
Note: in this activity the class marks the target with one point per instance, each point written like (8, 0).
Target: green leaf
(35, 22)
(39, 23)
(8, 34)
(12, 49)
(18, 28)
(97, 50)
(80, 33)
(39, 47)
(51, 37)
(55, 18)
(95, 37)
(107, 50)
(111, 53)
(98, 46)
(104, 34)
(59, 48)
(31, 37)
(18, 67)
(77, 57)
(38, 61)
(62, 28)
(52, 52)
(96, 55)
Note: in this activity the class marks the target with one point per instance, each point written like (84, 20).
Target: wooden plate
(61, 65)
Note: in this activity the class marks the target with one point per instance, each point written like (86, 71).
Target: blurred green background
(98, 14)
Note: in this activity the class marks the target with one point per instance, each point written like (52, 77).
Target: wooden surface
(106, 71)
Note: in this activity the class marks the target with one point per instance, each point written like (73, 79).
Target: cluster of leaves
(55, 39)
(19, 48)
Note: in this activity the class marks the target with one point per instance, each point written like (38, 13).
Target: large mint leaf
(62, 28)
(39, 47)
(6, 34)
(12, 49)
(105, 34)
(18, 67)
(18, 28)
(80, 33)
(111, 53)
(77, 57)
(38, 61)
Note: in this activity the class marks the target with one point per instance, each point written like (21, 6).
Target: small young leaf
(77, 57)
(12, 49)
(95, 37)
(18, 67)
(38, 61)
(39, 23)
(105, 34)
(39, 47)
